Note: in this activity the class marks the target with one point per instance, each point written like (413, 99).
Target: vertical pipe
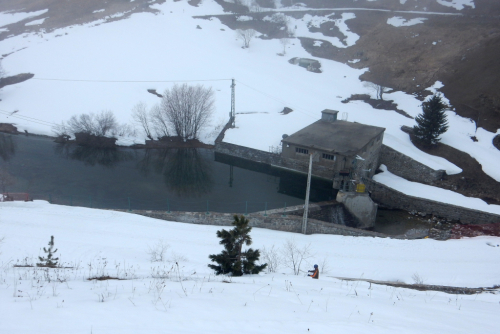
(284, 209)
(306, 207)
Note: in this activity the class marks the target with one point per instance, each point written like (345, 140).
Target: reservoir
(147, 179)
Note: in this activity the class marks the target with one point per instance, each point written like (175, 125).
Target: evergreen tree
(48, 261)
(431, 123)
(233, 260)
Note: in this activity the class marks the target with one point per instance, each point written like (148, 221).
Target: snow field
(192, 299)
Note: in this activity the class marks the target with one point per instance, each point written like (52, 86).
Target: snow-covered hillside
(110, 66)
(154, 298)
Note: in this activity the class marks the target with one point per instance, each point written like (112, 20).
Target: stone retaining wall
(396, 199)
(272, 159)
(408, 168)
(272, 222)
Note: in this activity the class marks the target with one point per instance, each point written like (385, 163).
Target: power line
(279, 100)
(124, 81)
(27, 118)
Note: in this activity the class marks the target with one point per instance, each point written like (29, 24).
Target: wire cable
(125, 81)
(278, 100)
(27, 118)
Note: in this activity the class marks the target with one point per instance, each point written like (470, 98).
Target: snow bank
(433, 193)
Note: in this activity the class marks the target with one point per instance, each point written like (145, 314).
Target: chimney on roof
(329, 115)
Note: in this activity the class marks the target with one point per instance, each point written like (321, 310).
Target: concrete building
(349, 149)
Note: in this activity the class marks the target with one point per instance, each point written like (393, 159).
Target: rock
(8, 128)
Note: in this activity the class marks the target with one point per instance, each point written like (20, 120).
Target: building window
(328, 156)
(301, 150)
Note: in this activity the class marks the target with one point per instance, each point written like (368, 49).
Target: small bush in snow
(417, 279)
(272, 257)
(158, 251)
(293, 255)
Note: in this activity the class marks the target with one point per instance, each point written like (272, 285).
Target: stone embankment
(408, 168)
(392, 198)
(287, 223)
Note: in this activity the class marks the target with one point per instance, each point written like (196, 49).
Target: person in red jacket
(315, 272)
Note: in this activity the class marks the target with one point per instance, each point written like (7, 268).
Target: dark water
(175, 179)
(400, 222)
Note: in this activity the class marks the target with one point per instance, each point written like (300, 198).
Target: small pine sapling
(49, 260)
(233, 260)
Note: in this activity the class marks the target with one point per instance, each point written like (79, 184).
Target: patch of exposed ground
(459, 51)
(472, 182)
(377, 104)
(426, 287)
(64, 13)
(469, 231)
(496, 142)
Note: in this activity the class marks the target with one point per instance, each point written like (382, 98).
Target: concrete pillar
(361, 206)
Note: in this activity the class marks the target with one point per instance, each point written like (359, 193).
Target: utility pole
(306, 206)
(233, 108)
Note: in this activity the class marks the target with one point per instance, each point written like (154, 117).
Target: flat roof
(346, 138)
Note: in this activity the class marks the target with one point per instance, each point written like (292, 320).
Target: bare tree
(246, 36)
(253, 6)
(293, 255)
(141, 116)
(272, 257)
(159, 122)
(285, 42)
(100, 124)
(380, 90)
(283, 23)
(187, 109)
